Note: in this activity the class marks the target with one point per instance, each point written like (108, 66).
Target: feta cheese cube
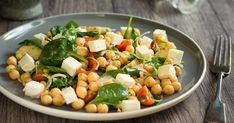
(27, 63)
(159, 32)
(123, 29)
(33, 89)
(71, 65)
(115, 38)
(40, 36)
(69, 95)
(146, 41)
(175, 55)
(58, 36)
(167, 71)
(130, 105)
(97, 45)
(125, 79)
(144, 51)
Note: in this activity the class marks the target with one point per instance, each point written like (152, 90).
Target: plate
(193, 71)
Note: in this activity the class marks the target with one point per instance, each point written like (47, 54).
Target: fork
(221, 66)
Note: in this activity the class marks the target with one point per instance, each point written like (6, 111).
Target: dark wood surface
(213, 18)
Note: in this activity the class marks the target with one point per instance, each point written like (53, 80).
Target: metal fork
(221, 66)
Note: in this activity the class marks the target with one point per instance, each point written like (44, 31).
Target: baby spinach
(57, 30)
(90, 34)
(133, 55)
(56, 51)
(110, 94)
(59, 82)
(156, 62)
(71, 25)
(31, 42)
(78, 57)
(130, 71)
(51, 69)
(113, 73)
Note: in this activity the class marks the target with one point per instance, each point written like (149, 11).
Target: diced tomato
(93, 63)
(145, 96)
(92, 54)
(90, 96)
(87, 38)
(124, 44)
(38, 77)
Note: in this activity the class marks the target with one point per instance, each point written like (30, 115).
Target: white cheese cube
(58, 36)
(27, 63)
(123, 29)
(146, 41)
(97, 45)
(79, 29)
(115, 38)
(69, 95)
(130, 105)
(159, 32)
(167, 71)
(144, 51)
(40, 36)
(175, 55)
(125, 79)
(33, 89)
(71, 65)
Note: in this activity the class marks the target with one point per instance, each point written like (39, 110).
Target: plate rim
(108, 116)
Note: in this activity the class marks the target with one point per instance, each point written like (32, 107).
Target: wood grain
(213, 18)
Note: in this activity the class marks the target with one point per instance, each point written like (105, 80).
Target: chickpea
(130, 49)
(46, 100)
(83, 51)
(44, 83)
(157, 81)
(102, 61)
(26, 77)
(156, 89)
(127, 54)
(48, 34)
(132, 98)
(91, 108)
(111, 67)
(110, 55)
(140, 81)
(150, 81)
(176, 85)
(131, 92)
(101, 37)
(108, 41)
(149, 68)
(14, 74)
(93, 86)
(135, 88)
(81, 91)
(165, 82)
(93, 77)
(116, 63)
(178, 70)
(9, 68)
(123, 58)
(168, 61)
(82, 76)
(80, 41)
(168, 90)
(137, 31)
(78, 104)
(82, 83)
(58, 100)
(12, 60)
(55, 92)
(45, 92)
(102, 108)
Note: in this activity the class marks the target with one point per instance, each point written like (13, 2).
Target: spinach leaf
(127, 33)
(130, 71)
(59, 82)
(57, 30)
(51, 69)
(78, 57)
(110, 94)
(113, 73)
(31, 42)
(133, 55)
(70, 34)
(71, 25)
(156, 62)
(55, 52)
(90, 34)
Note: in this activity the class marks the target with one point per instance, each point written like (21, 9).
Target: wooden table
(213, 18)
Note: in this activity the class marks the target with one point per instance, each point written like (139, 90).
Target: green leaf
(31, 42)
(127, 33)
(113, 73)
(57, 30)
(132, 71)
(55, 52)
(78, 57)
(90, 34)
(110, 94)
(51, 69)
(137, 56)
(59, 82)
(70, 35)
(71, 25)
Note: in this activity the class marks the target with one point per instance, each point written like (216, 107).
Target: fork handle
(219, 86)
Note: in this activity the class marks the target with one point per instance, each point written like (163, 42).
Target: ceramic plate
(193, 72)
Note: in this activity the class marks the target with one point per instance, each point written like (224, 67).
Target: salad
(97, 68)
